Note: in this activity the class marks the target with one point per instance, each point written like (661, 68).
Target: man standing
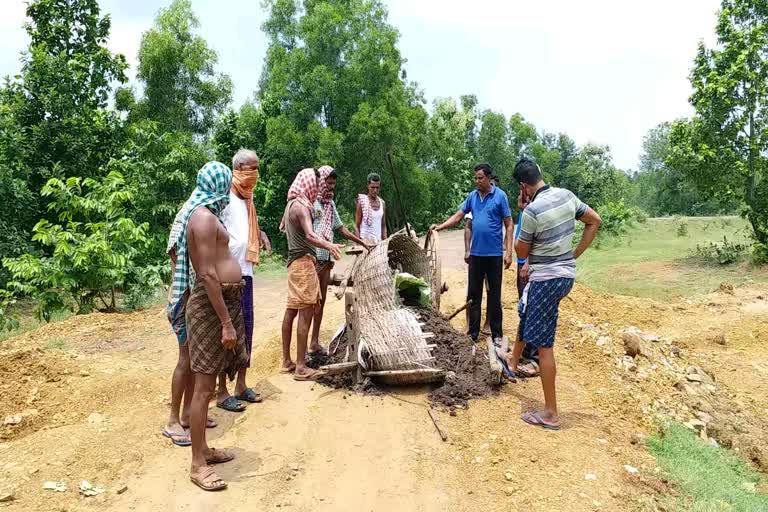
(326, 221)
(303, 283)
(245, 242)
(546, 236)
(211, 295)
(490, 211)
(370, 212)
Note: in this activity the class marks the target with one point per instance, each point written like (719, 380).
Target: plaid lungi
(206, 353)
(303, 284)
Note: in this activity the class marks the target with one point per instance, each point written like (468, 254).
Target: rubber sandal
(206, 478)
(309, 377)
(219, 457)
(231, 404)
(210, 423)
(174, 437)
(250, 396)
(533, 418)
(290, 369)
(528, 370)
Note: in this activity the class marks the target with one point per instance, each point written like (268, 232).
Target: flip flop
(231, 404)
(211, 423)
(178, 438)
(533, 418)
(249, 395)
(219, 456)
(508, 373)
(309, 377)
(528, 370)
(322, 351)
(290, 369)
(207, 479)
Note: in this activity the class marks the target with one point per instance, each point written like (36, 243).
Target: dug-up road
(93, 394)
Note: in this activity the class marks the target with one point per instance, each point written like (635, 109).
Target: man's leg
(247, 306)
(287, 332)
(223, 392)
(302, 333)
(201, 453)
(325, 278)
(494, 269)
(180, 382)
(475, 294)
(548, 372)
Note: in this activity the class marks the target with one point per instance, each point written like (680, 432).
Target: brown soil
(309, 447)
(467, 377)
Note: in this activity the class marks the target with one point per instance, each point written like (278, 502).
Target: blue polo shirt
(488, 216)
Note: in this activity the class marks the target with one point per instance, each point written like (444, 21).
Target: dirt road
(93, 408)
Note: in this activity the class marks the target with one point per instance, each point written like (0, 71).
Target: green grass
(709, 478)
(28, 322)
(652, 260)
(271, 266)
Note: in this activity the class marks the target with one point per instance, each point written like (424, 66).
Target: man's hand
(434, 227)
(369, 246)
(507, 261)
(335, 251)
(265, 243)
(522, 200)
(228, 335)
(524, 272)
(466, 257)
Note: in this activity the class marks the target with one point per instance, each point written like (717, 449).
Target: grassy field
(655, 259)
(711, 479)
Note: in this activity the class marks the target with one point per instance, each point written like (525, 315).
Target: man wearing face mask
(246, 240)
(546, 236)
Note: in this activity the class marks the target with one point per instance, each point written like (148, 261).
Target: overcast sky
(603, 71)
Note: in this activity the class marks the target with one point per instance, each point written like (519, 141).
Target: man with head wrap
(205, 307)
(326, 221)
(303, 283)
(246, 240)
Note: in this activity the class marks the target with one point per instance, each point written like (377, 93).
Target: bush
(722, 253)
(681, 227)
(93, 252)
(759, 253)
(617, 218)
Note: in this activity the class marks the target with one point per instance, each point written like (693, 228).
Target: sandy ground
(93, 409)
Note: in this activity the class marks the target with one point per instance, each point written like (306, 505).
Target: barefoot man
(326, 221)
(303, 283)
(546, 235)
(213, 309)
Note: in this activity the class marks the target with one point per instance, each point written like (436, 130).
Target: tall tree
(54, 119)
(334, 92)
(724, 148)
(182, 91)
(493, 144)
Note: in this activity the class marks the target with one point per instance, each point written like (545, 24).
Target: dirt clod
(632, 344)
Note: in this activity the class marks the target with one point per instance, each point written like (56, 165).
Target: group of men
(214, 244)
(546, 268)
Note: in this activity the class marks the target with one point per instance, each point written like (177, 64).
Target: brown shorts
(206, 353)
(303, 284)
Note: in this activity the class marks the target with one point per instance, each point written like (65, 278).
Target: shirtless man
(303, 283)
(213, 311)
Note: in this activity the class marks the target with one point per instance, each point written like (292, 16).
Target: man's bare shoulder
(297, 212)
(202, 222)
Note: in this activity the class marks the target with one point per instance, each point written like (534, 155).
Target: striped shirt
(548, 224)
(323, 254)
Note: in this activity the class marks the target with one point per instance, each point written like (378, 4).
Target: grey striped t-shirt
(548, 224)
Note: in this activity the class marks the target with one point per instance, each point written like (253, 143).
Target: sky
(602, 71)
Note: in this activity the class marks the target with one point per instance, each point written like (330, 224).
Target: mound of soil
(467, 377)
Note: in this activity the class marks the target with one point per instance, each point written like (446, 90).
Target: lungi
(303, 284)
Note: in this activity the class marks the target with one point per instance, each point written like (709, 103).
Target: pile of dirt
(467, 377)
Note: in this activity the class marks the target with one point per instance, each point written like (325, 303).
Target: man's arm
(467, 238)
(452, 221)
(305, 221)
(172, 255)
(202, 252)
(265, 242)
(354, 238)
(592, 223)
(358, 217)
(383, 221)
(508, 230)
